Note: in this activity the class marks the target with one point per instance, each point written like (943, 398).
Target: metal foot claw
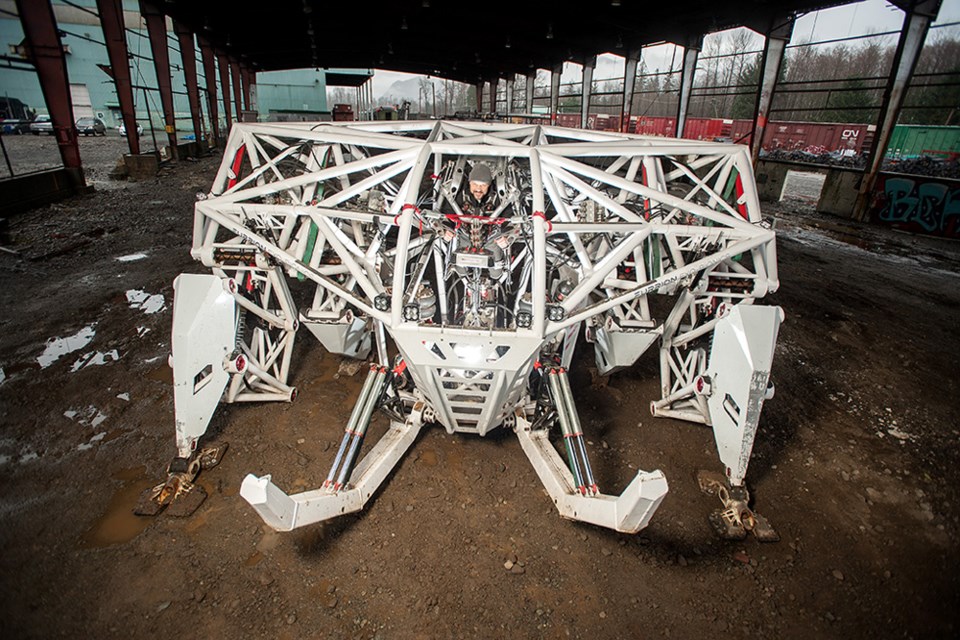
(179, 495)
(736, 518)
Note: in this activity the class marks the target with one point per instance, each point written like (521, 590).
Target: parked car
(91, 127)
(12, 125)
(41, 124)
(123, 129)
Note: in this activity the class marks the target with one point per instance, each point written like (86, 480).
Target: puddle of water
(133, 473)
(118, 524)
(59, 347)
(95, 359)
(149, 304)
(133, 257)
(109, 436)
(3, 376)
(162, 373)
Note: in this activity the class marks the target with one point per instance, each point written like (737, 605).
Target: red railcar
(710, 129)
(655, 126)
(817, 137)
(741, 131)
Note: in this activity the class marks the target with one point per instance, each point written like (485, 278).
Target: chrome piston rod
(350, 429)
(577, 458)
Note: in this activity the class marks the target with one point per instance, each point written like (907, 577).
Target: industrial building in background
(299, 94)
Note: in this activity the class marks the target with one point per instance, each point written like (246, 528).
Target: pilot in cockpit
(478, 199)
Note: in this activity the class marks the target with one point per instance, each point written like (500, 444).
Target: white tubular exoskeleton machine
(579, 230)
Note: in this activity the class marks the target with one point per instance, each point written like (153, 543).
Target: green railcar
(911, 141)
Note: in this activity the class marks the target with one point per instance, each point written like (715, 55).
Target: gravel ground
(99, 154)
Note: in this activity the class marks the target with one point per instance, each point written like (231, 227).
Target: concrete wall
(839, 193)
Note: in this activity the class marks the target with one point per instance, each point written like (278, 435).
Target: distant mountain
(408, 89)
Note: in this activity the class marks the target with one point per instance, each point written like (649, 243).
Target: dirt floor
(856, 465)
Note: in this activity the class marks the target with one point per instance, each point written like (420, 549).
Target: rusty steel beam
(630, 64)
(46, 52)
(691, 52)
(245, 86)
(586, 89)
(111, 21)
(210, 73)
(224, 68)
(157, 31)
(918, 15)
(189, 58)
(774, 46)
(237, 89)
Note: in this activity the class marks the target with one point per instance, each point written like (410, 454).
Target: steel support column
(210, 74)
(510, 80)
(586, 89)
(691, 52)
(494, 85)
(224, 67)
(237, 89)
(777, 37)
(479, 89)
(157, 31)
(629, 84)
(916, 23)
(555, 74)
(46, 52)
(252, 84)
(188, 57)
(111, 21)
(531, 83)
(245, 86)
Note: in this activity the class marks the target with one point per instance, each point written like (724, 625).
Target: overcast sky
(871, 16)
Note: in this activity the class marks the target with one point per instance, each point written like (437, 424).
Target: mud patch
(118, 524)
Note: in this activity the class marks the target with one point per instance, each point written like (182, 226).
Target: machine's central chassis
(639, 240)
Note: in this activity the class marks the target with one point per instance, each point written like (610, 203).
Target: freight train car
(818, 137)
(846, 139)
(911, 141)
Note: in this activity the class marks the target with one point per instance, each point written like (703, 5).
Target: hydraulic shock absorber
(349, 445)
(572, 433)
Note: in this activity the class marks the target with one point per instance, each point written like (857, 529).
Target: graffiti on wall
(919, 204)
